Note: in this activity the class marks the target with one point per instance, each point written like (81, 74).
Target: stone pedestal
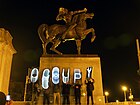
(6, 54)
(81, 62)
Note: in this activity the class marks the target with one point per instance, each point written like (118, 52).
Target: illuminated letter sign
(89, 72)
(77, 74)
(34, 75)
(55, 75)
(45, 78)
(65, 78)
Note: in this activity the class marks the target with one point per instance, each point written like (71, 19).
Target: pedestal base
(80, 62)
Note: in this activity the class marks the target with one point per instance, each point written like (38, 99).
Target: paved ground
(110, 103)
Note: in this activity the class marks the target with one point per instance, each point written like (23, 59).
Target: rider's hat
(63, 10)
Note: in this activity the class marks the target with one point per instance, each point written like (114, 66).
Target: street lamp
(130, 95)
(124, 88)
(106, 96)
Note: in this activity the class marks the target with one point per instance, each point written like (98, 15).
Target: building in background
(6, 55)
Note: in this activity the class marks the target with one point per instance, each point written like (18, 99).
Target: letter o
(34, 75)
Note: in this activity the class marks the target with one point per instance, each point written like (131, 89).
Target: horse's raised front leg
(78, 43)
(87, 31)
(55, 44)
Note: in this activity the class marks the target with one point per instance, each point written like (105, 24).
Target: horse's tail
(42, 32)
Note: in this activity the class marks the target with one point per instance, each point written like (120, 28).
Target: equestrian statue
(74, 29)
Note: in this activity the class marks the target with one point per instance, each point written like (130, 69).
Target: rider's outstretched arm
(79, 11)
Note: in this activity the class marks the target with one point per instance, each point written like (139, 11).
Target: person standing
(66, 93)
(36, 91)
(77, 92)
(90, 87)
(2, 98)
(46, 96)
(56, 94)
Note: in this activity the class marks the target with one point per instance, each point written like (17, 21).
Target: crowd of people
(58, 89)
(64, 89)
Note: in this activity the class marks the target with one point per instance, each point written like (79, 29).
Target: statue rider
(69, 17)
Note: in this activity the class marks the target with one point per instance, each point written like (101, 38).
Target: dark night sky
(116, 23)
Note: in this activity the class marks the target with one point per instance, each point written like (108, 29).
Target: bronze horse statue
(53, 33)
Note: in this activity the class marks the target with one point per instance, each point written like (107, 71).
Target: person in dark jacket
(90, 87)
(46, 96)
(66, 92)
(77, 92)
(2, 98)
(35, 92)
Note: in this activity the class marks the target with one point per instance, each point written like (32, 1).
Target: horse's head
(84, 16)
(89, 15)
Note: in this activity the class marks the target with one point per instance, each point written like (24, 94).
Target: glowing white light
(77, 74)
(8, 98)
(45, 78)
(100, 99)
(55, 75)
(84, 94)
(65, 79)
(138, 103)
(117, 101)
(89, 70)
(34, 75)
